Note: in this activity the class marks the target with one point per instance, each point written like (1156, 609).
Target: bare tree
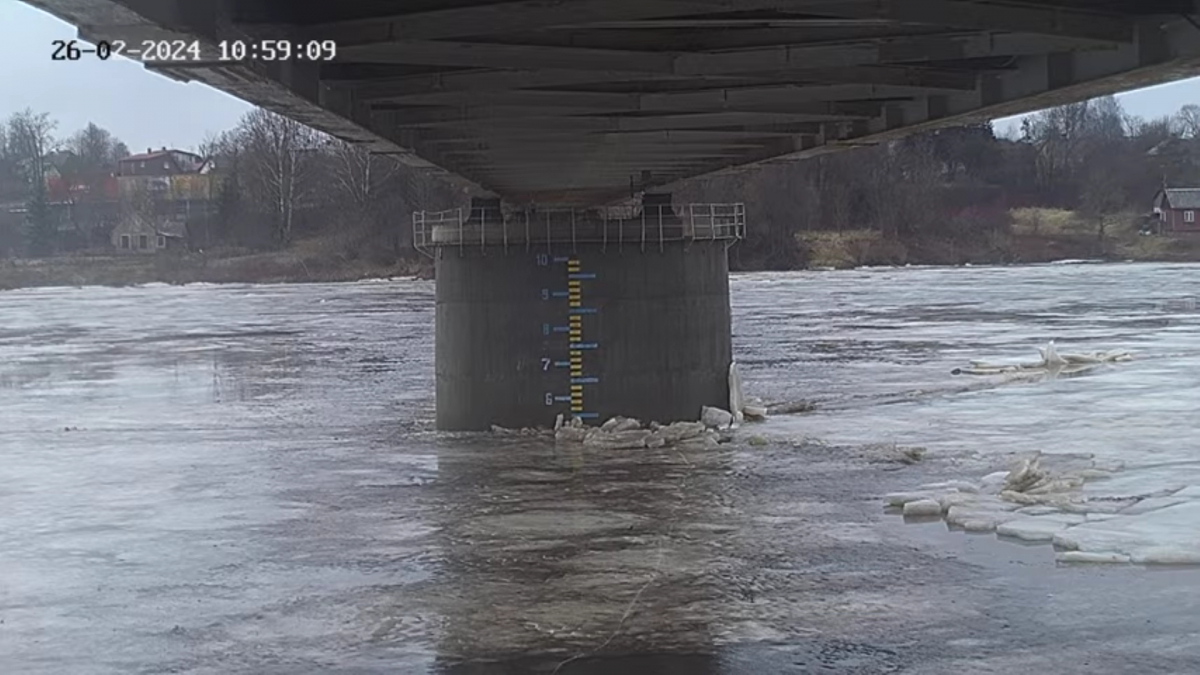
(360, 176)
(95, 146)
(229, 220)
(30, 140)
(213, 144)
(1187, 121)
(8, 168)
(280, 157)
(1068, 138)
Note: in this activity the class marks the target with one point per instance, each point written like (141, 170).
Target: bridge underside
(571, 102)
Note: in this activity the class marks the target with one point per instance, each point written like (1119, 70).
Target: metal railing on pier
(644, 227)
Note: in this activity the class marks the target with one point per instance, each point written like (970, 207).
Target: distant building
(174, 178)
(139, 234)
(170, 189)
(161, 163)
(97, 185)
(1178, 210)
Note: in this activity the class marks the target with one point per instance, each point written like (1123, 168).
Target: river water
(877, 347)
(245, 478)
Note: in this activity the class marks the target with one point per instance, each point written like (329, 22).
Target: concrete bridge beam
(861, 71)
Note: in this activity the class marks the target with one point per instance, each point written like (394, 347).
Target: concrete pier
(636, 325)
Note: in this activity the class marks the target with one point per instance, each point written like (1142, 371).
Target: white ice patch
(1051, 363)
(736, 400)
(715, 418)
(1167, 536)
(899, 499)
(1039, 528)
(959, 485)
(923, 507)
(1091, 512)
(1092, 558)
(624, 433)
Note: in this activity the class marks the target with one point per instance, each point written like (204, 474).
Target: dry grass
(1156, 249)
(1067, 234)
(1049, 222)
(852, 248)
(1060, 222)
(310, 261)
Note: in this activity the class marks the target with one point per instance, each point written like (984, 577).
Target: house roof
(58, 158)
(146, 156)
(1183, 198)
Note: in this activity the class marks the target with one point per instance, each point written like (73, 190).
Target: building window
(143, 241)
(125, 241)
(162, 241)
(1189, 216)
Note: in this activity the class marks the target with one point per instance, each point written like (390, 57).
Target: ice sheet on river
(1052, 362)
(1090, 511)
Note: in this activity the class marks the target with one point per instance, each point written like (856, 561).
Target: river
(876, 349)
(220, 479)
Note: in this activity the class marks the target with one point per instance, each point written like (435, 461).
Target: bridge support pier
(632, 319)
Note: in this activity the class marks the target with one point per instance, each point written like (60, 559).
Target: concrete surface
(603, 331)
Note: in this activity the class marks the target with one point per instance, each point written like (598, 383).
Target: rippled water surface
(877, 348)
(245, 479)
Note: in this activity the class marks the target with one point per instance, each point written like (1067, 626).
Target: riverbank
(830, 251)
(870, 249)
(1034, 236)
(290, 266)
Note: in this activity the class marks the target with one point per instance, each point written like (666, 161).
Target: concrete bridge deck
(568, 101)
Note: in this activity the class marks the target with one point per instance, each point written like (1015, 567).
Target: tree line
(276, 179)
(27, 151)
(280, 180)
(962, 183)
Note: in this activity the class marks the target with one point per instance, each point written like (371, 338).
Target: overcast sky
(147, 110)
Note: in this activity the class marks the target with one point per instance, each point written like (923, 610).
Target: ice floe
(624, 433)
(1051, 363)
(1090, 511)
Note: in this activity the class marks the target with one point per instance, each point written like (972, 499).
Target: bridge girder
(527, 98)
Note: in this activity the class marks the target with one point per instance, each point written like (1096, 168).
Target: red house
(161, 163)
(1178, 209)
